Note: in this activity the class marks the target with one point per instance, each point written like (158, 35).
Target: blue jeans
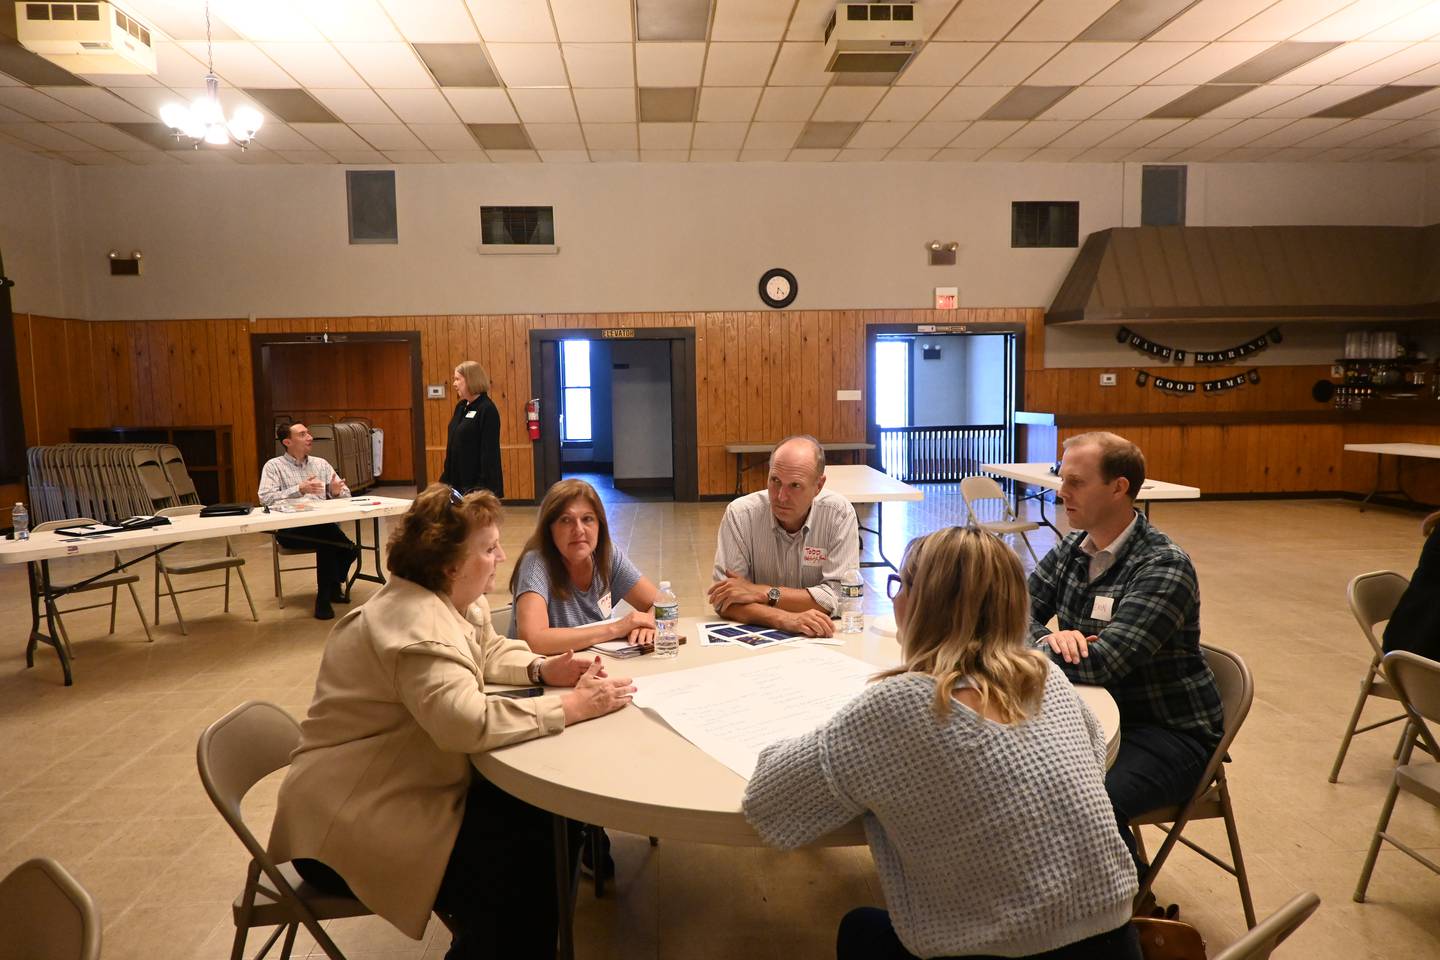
(1155, 767)
(866, 934)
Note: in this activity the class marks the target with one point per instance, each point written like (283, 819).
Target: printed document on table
(733, 710)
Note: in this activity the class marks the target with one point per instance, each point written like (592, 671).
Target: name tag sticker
(1104, 609)
(605, 605)
(470, 415)
(814, 556)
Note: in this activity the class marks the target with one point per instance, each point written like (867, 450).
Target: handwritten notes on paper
(733, 710)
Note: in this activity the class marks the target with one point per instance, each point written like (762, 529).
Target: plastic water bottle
(667, 622)
(20, 520)
(852, 598)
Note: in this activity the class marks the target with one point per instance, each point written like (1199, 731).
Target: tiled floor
(102, 775)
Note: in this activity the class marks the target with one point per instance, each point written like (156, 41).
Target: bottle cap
(664, 584)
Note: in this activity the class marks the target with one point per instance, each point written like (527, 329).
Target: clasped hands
(637, 626)
(1072, 645)
(312, 487)
(736, 589)
(596, 693)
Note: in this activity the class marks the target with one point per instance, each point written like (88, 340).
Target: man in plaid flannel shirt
(1128, 610)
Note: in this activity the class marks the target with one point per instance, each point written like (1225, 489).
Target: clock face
(778, 288)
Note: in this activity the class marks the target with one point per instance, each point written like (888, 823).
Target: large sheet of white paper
(734, 710)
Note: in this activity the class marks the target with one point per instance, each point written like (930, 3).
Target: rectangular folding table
(1039, 475)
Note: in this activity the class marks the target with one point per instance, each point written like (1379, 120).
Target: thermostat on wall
(434, 391)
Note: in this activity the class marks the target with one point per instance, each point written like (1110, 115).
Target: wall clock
(778, 288)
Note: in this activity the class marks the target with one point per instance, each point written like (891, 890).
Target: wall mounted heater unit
(872, 37)
(86, 38)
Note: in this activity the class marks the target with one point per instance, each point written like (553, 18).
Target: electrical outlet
(434, 391)
(1107, 379)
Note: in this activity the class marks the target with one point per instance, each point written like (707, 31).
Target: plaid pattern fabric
(1148, 656)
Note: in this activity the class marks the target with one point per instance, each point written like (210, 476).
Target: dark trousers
(334, 552)
(1155, 767)
(866, 934)
(498, 894)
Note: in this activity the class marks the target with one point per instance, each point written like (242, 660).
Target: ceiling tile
(1257, 101)
(183, 20)
(146, 157)
(739, 64)
(432, 21)
(1141, 132)
(788, 103)
(1275, 62)
(444, 136)
(612, 136)
(848, 103)
(392, 66)
(665, 156)
(600, 64)
(244, 65)
(1347, 132)
(356, 106)
(729, 103)
(719, 136)
(411, 156)
(606, 106)
(1077, 63)
(1008, 154)
(1053, 155)
(564, 156)
(276, 135)
(1245, 131)
(1139, 103)
(1310, 100)
(1295, 132)
(937, 64)
(987, 133)
(155, 134)
(101, 135)
(556, 136)
(37, 106)
(313, 64)
(1283, 20)
(982, 20)
(1371, 101)
(1424, 22)
(1193, 132)
(908, 103)
(615, 156)
(772, 136)
(667, 104)
(763, 155)
(346, 20)
(862, 155)
(959, 155)
(1341, 61)
(1210, 61)
(1010, 63)
(30, 68)
(1421, 105)
(1143, 63)
(291, 105)
(660, 20)
(593, 21)
(930, 135)
(500, 136)
(1088, 133)
(330, 136)
(11, 116)
(147, 99)
(967, 103)
(1134, 19)
(910, 154)
(419, 106)
(812, 155)
(481, 104)
(457, 64)
(669, 64)
(512, 21)
(544, 106)
(1085, 102)
(749, 20)
(306, 156)
(1409, 64)
(1210, 19)
(803, 65)
(529, 64)
(1059, 19)
(175, 67)
(873, 136)
(259, 20)
(1359, 18)
(514, 156)
(714, 156)
(1026, 103)
(665, 136)
(98, 103)
(1201, 100)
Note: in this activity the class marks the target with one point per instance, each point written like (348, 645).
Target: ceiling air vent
(86, 38)
(871, 37)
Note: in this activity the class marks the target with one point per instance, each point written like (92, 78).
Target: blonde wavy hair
(967, 618)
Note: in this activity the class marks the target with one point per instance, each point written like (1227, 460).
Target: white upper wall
(272, 240)
(37, 234)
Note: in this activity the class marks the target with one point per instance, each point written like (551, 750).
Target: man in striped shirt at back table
(1127, 604)
(783, 550)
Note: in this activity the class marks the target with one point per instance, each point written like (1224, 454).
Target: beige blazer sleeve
(443, 695)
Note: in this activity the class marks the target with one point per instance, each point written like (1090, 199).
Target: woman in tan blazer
(380, 798)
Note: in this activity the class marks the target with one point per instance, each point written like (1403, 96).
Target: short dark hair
(283, 428)
(430, 538)
(1118, 458)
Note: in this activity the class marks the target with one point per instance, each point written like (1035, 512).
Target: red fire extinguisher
(532, 417)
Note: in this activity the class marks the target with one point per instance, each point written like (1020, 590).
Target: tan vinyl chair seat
(111, 581)
(1421, 780)
(167, 565)
(1008, 526)
(203, 564)
(976, 489)
(270, 910)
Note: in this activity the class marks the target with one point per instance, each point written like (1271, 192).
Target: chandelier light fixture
(204, 120)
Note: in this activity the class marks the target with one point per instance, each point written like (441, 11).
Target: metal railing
(942, 453)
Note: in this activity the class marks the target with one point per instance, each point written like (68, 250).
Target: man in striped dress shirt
(783, 550)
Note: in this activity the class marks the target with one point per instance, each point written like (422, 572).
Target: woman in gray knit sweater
(980, 776)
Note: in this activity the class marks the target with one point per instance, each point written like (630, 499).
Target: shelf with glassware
(1367, 379)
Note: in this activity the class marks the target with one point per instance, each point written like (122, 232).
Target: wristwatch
(773, 596)
(532, 672)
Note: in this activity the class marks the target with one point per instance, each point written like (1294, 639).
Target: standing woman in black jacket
(472, 452)
(1415, 624)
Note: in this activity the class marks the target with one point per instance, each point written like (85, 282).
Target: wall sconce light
(125, 266)
(942, 254)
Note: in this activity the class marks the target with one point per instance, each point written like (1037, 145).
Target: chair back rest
(44, 912)
(238, 751)
(981, 488)
(186, 510)
(1237, 693)
(502, 619)
(1417, 680)
(1265, 936)
(1373, 597)
(57, 524)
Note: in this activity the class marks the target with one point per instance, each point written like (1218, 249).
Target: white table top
(862, 484)
(630, 771)
(1038, 474)
(837, 446)
(50, 545)
(1429, 451)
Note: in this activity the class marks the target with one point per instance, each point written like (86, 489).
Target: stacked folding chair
(107, 481)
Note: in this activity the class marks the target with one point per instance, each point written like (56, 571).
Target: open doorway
(944, 401)
(617, 409)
